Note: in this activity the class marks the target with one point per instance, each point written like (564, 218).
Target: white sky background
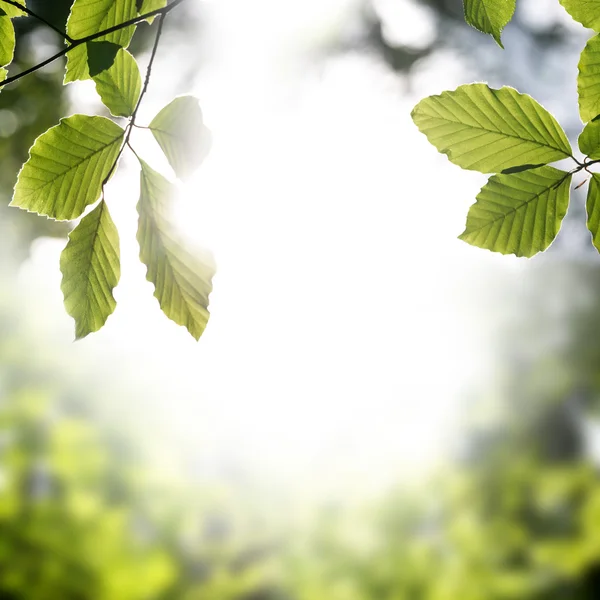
(339, 338)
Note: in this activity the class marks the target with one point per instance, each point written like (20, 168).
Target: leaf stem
(39, 18)
(131, 124)
(90, 38)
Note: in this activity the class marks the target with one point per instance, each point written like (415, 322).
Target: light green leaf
(589, 140)
(147, 6)
(91, 269)
(120, 85)
(13, 11)
(180, 132)
(593, 210)
(519, 214)
(491, 130)
(3, 74)
(489, 16)
(90, 16)
(7, 40)
(588, 80)
(67, 166)
(182, 280)
(586, 12)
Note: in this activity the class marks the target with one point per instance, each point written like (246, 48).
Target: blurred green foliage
(86, 514)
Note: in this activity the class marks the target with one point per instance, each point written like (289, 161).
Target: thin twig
(131, 123)
(90, 38)
(39, 18)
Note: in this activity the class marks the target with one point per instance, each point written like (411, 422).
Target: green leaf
(182, 280)
(180, 132)
(3, 74)
(13, 11)
(489, 16)
(101, 56)
(7, 40)
(490, 130)
(91, 269)
(519, 214)
(589, 140)
(91, 16)
(586, 12)
(588, 80)
(593, 210)
(146, 6)
(67, 166)
(120, 85)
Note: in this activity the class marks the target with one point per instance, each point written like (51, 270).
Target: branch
(131, 123)
(39, 18)
(90, 38)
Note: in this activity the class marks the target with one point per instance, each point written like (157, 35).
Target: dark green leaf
(101, 56)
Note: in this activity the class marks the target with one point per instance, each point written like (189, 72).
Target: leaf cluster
(69, 166)
(510, 135)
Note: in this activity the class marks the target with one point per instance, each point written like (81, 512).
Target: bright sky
(339, 338)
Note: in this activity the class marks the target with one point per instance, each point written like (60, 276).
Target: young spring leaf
(593, 210)
(146, 6)
(589, 140)
(180, 132)
(7, 39)
(491, 130)
(586, 12)
(489, 16)
(91, 269)
(120, 85)
(13, 11)
(519, 214)
(90, 16)
(67, 166)
(588, 80)
(182, 280)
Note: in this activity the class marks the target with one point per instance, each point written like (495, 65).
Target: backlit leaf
(147, 6)
(91, 16)
(182, 279)
(67, 165)
(120, 85)
(489, 16)
(7, 39)
(182, 135)
(586, 12)
(491, 130)
(13, 11)
(90, 266)
(520, 213)
(588, 80)
(593, 210)
(589, 140)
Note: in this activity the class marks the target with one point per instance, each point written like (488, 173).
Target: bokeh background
(376, 411)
